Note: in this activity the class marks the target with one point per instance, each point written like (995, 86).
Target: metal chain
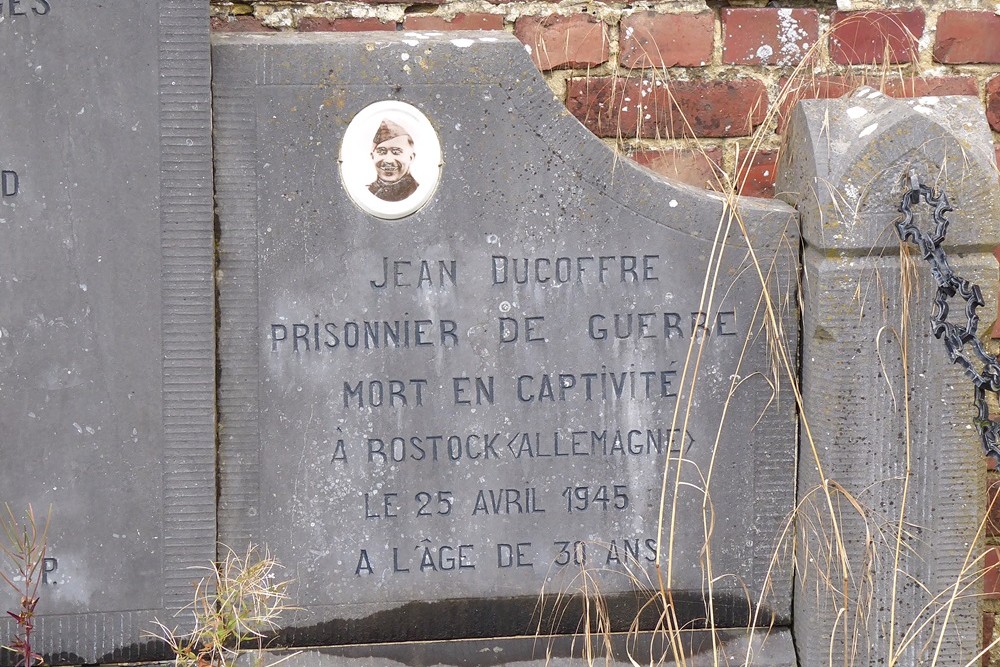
(955, 337)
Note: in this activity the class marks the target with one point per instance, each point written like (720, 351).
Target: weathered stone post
(890, 459)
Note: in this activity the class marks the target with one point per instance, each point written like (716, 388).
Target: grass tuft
(234, 608)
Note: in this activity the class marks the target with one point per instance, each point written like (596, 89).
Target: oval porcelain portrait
(390, 160)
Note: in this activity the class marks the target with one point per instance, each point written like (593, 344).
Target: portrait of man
(390, 159)
(392, 155)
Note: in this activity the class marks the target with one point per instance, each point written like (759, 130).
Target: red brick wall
(700, 93)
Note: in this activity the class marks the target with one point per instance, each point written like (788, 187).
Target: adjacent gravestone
(890, 418)
(463, 348)
(106, 312)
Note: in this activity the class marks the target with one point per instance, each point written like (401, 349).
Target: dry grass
(233, 609)
(828, 518)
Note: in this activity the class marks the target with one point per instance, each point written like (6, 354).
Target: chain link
(978, 364)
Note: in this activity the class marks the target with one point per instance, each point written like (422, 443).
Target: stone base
(619, 649)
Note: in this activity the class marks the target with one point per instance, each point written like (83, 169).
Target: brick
(991, 574)
(992, 464)
(768, 36)
(812, 88)
(687, 165)
(935, 85)
(874, 38)
(755, 176)
(989, 623)
(473, 21)
(993, 508)
(633, 107)
(321, 24)
(237, 24)
(993, 102)
(556, 42)
(649, 39)
(967, 37)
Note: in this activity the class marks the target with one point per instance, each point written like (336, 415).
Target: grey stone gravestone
(440, 401)
(893, 432)
(106, 311)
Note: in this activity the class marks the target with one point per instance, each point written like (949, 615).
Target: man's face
(392, 158)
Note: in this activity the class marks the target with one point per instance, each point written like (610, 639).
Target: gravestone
(463, 348)
(894, 432)
(106, 312)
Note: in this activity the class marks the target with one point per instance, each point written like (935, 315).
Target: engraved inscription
(589, 269)
(473, 448)
(594, 414)
(347, 335)
(379, 393)
(49, 566)
(13, 8)
(427, 557)
(10, 183)
(421, 274)
(622, 326)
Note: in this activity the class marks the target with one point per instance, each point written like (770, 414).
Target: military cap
(389, 130)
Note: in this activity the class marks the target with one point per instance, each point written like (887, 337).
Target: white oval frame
(357, 171)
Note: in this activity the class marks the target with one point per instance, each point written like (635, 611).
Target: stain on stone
(526, 615)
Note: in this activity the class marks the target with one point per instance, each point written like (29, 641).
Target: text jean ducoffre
(319, 339)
